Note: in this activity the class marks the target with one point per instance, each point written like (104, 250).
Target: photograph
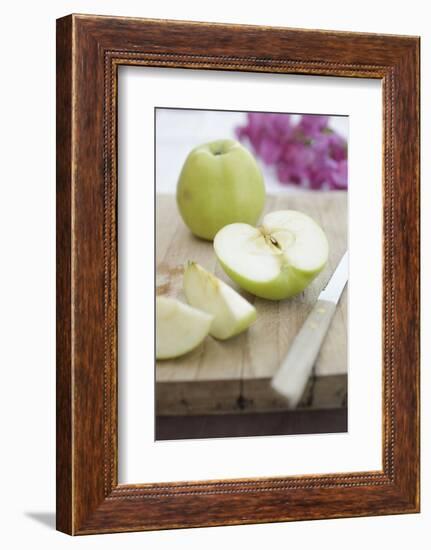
(214, 332)
(237, 274)
(251, 238)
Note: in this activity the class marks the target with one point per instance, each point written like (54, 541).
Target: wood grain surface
(234, 375)
(90, 498)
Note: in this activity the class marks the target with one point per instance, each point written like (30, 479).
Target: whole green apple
(276, 260)
(220, 183)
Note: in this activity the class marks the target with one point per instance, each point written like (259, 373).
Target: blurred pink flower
(307, 153)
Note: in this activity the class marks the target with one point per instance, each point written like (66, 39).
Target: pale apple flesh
(276, 260)
(220, 183)
(180, 328)
(232, 314)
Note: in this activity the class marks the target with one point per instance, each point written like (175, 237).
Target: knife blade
(291, 378)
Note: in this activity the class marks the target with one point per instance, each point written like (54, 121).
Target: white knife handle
(295, 370)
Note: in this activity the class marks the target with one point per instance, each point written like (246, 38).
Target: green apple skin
(290, 282)
(220, 183)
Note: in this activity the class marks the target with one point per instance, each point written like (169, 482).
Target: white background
(141, 458)
(27, 274)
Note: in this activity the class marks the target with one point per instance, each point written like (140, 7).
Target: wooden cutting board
(234, 375)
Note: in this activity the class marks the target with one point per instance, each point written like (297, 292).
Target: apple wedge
(179, 327)
(276, 260)
(231, 312)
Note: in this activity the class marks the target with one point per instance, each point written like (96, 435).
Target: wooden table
(233, 376)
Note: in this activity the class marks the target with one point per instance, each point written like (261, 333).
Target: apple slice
(232, 313)
(179, 327)
(276, 260)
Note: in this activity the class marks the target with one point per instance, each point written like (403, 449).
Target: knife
(291, 378)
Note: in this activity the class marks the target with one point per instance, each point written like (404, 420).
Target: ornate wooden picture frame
(89, 51)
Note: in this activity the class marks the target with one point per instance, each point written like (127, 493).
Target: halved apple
(276, 260)
(179, 327)
(232, 313)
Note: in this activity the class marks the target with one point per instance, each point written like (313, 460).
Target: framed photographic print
(237, 274)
